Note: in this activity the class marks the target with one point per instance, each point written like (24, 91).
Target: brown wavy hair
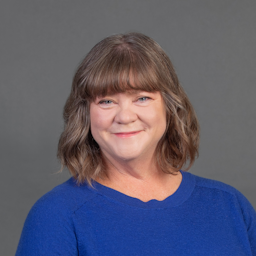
(108, 68)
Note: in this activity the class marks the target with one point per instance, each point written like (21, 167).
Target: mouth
(126, 134)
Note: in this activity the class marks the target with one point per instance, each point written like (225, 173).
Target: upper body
(203, 217)
(129, 129)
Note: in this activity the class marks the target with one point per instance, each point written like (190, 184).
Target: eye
(143, 99)
(105, 102)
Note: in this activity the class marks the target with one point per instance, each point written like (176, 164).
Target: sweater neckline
(178, 197)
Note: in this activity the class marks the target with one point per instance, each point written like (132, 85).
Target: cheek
(99, 120)
(94, 119)
(160, 121)
(159, 116)
(161, 124)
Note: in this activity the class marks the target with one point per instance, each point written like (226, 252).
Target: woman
(129, 129)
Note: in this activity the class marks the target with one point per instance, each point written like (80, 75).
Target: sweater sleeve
(48, 229)
(249, 216)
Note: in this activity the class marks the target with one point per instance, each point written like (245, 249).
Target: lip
(126, 134)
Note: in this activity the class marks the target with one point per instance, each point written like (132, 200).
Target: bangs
(122, 71)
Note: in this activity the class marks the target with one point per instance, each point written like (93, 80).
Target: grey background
(211, 43)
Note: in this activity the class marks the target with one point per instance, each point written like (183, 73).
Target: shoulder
(209, 185)
(65, 198)
(220, 192)
(51, 220)
(56, 209)
(215, 185)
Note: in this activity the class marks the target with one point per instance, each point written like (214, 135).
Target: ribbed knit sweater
(203, 217)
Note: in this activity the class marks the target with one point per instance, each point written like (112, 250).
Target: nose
(125, 115)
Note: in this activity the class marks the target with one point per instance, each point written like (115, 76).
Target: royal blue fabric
(203, 217)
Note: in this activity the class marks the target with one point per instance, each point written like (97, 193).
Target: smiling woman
(143, 122)
(135, 65)
(129, 129)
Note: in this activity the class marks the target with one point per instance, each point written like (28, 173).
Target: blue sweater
(203, 217)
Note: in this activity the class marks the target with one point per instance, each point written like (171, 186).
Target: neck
(141, 169)
(142, 180)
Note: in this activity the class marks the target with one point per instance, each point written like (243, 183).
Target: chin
(125, 157)
(128, 155)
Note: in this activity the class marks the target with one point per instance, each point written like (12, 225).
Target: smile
(126, 134)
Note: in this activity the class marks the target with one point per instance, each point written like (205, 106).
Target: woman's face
(129, 125)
